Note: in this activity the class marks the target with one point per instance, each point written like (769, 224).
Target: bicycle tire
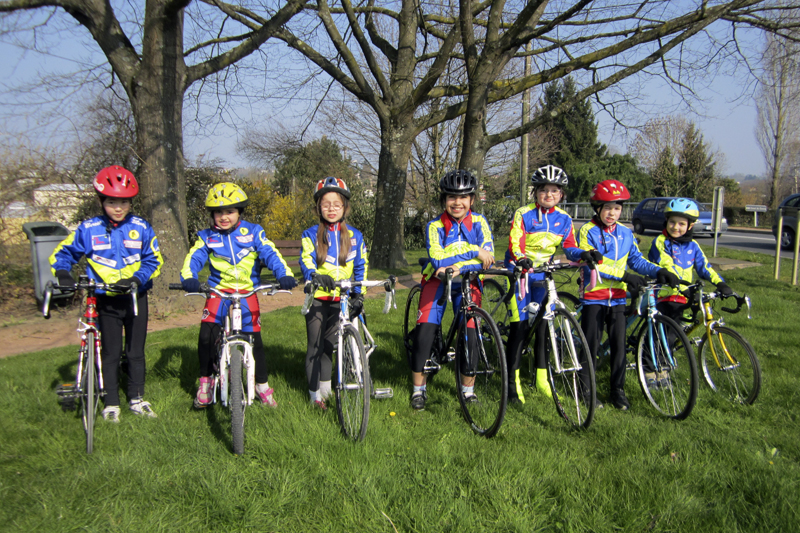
(488, 365)
(89, 391)
(674, 392)
(570, 301)
(410, 319)
(352, 392)
(236, 401)
(570, 370)
(492, 302)
(737, 377)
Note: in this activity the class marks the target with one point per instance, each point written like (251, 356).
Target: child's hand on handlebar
(525, 263)
(591, 256)
(191, 285)
(441, 271)
(287, 283)
(724, 290)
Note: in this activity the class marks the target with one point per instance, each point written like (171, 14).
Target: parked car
(649, 215)
(789, 222)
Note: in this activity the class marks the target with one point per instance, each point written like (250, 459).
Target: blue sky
(727, 125)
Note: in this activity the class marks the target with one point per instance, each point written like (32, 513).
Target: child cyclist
(676, 251)
(536, 232)
(120, 248)
(604, 304)
(458, 239)
(236, 251)
(332, 251)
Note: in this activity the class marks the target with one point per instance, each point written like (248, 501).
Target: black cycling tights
(207, 351)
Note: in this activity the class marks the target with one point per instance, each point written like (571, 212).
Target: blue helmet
(683, 207)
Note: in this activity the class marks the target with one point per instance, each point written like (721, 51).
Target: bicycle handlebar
(346, 284)
(90, 285)
(207, 291)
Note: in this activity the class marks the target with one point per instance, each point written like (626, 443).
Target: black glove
(591, 256)
(323, 281)
(191, 285)
(127, 282)
(287, 283)
(665, 276)
(308, 287)
(356, 305)
(635, 283)
(65, 278)
(723, 289)
(525, 263)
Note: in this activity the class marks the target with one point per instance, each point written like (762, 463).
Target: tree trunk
(388, 249)
(156, 97)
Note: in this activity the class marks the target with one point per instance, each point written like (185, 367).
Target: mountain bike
(479, 357)
(235, 368)
(88, 387)
(729, 363)
(353, 385)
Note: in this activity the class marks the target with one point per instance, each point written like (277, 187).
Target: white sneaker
(144, 408)
(111, 413)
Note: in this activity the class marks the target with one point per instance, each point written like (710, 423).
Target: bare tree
(156, 76)
(778, 110)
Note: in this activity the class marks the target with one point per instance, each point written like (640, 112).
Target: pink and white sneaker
(267, 397)
(205, 393)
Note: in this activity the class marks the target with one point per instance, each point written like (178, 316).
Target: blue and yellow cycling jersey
(114, 251)
(620, 251)
(682, 258)
(355, 267)
(536, 233)
(235, 257)
(456, 244)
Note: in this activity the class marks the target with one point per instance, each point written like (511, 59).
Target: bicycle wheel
(666, 367)
(352, 392)
(410, 319)
(483, 361)
(236, 401)
(570, 301)
(492, 302)
(730, 365)
(90, 390)
(570, 370)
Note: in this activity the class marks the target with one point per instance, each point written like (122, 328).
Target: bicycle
(664, 363)
(570, 370)
(483, 359)
(729, 363)
(353, 385)
(88, 388)
(234, 372)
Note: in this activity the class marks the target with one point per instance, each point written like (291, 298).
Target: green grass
(726, 468)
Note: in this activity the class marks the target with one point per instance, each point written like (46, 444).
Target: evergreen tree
(697, 166)
(576, 133)
(301, 167)
(666, 179)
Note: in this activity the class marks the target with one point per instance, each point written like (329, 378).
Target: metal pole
(716, 221)
(523, 158)
(778, 246)
(796, 247)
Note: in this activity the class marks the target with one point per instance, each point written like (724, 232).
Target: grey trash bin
(44, 237)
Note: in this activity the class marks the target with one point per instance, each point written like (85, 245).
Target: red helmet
(609, 191)
(116, 182)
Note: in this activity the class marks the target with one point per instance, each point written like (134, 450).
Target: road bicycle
(353, 385)
(88, 388)
(235, 368)
(570, 370)
(481, 356)
(729, 363)
(660, 353)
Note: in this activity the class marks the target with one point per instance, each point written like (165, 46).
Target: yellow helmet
(226, 195)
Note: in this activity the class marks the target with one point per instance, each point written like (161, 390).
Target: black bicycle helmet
(458, 182)
(550, 175)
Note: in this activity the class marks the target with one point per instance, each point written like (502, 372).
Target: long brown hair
(322, 234)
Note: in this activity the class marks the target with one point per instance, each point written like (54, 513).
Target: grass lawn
(726, 468)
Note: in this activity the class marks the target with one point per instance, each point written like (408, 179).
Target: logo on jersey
(132, 244)
(244, 238)
(206, 314)
(104, 261)
(214, 241)
(101, 242)
(243, 231)
(133, 234)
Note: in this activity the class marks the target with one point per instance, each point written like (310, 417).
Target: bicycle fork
(248, 363)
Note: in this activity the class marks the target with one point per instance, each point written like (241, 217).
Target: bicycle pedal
(430, 366)
(381, 393)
